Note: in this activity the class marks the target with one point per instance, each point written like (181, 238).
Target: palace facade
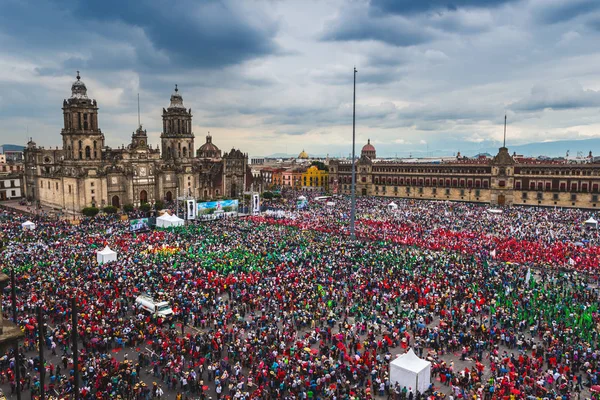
(502, 180)
(85, 172)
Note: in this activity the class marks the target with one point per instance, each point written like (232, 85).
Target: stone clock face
(114, 180)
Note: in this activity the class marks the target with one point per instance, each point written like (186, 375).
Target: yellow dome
(303, 155)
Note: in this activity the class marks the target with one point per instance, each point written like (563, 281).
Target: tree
(320, 165)
(110, 210)
(90, 211)
(159, 205)
(128, 208)
(145, 207)
(267, 195)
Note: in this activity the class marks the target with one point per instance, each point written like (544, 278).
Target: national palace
(501, 180)
(85, 172)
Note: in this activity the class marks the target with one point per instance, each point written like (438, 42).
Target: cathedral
(85, 172)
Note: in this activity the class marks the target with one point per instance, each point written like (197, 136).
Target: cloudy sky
(276, 76)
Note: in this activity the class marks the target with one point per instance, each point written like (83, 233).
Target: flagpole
(353, 209)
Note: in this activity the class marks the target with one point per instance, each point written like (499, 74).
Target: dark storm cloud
(407, 7)
(144, 34)
(357, 25)
(210, 33)
(553, 13)
(564, 96)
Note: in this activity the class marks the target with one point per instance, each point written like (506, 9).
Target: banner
(191, 209)
(139, 224)
(210, 207)
(255, 204)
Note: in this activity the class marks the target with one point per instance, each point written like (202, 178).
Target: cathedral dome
(78, 89)
(303, 155)
(208, 149)
(176, 100)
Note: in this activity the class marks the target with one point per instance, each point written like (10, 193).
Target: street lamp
(353, 209)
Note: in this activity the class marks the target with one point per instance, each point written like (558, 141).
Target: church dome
(78, 89)
(368, 150)
(176, 100)
(303, 155)
(208, 149)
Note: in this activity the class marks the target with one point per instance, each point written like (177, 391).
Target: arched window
(94, 145)
(88, 152)
(80, 145)
(168, 152)
(185, 151)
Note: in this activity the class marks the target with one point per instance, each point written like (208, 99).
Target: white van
(160, 308)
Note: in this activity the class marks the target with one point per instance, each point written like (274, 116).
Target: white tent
(28, 225)
(392, 206)
(163, 221)
(411, 372)
(494, 211)
(166, 221)
(591, 223)
(301, 198)
(330, 204)
(106, 255)
(176, 221)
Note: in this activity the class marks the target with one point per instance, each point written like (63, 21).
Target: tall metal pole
(353, 209)
(75, 351)
(14, 310)
(41, 350)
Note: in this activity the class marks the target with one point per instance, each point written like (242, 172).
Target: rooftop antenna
(139, 120)
(504, 144)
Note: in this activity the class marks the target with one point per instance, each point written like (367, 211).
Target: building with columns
(503, 180)
(85, 172)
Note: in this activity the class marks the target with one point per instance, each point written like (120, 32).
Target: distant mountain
(551, 149)
(558, 148)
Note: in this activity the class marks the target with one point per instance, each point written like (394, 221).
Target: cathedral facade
(85, 172)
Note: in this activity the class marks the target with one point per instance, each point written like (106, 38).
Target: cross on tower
(176, 90)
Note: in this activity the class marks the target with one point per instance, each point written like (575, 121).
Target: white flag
(493, 253)
(528, 276)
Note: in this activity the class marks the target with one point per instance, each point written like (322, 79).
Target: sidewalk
(31, 210)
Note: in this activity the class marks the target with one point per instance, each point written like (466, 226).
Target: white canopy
(330, 204)
(176, 221)
(163, 221)
(166, 220)
(28, 225)
(411, 372)
(591, 222)
(392, 206)
(494, 211)
(301, 198)
(106, 255)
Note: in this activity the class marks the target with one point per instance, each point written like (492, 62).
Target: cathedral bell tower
(82, 139)
(177, 139)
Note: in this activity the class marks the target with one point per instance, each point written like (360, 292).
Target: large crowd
(286, 306)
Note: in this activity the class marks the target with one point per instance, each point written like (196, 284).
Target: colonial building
(502, 180)
(315, 179)
(85, 172)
